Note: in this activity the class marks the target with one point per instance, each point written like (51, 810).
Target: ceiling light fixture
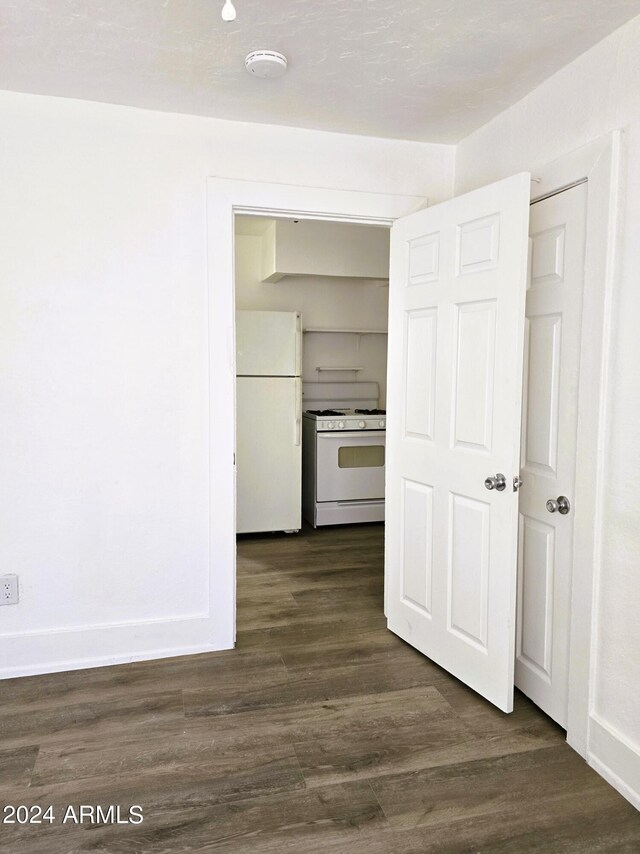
(228, 11)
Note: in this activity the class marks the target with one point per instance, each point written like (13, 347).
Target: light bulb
(228, 11)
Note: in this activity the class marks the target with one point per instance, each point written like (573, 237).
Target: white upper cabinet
(329, 249)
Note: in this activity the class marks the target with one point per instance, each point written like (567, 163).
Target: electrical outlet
(8, 590)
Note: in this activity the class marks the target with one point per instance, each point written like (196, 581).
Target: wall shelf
(348, 331)
(338, 368)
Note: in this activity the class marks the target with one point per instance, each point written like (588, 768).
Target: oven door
(350, 465)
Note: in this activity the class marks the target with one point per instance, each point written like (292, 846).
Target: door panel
(478, 245)
(553, 309)
(469, 569)
(474, 367)
(420, 376)
(540, 446)
(424, 255)
(417, 534)
(456, 330)
(536, 561)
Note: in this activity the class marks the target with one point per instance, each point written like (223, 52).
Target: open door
(456, 333)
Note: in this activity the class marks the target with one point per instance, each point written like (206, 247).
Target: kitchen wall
(325, 303)
(598, 92)
(104, 488)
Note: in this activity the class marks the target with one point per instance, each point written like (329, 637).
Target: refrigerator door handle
(298, 344)
(298, 413)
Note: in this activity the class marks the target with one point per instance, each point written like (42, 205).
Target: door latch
(517, 483)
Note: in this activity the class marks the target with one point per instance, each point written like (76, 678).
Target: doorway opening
(311, 308)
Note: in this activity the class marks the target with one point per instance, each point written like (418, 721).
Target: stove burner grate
(371, 411)
(324, 412)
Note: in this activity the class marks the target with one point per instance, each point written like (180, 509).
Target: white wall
(325, 303)
(104, 493)
(598, 92)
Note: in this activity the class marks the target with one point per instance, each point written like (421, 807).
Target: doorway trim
(599, 164)
(227, 197)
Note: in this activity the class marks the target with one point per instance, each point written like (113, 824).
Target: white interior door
(456, 331)
(552, 357)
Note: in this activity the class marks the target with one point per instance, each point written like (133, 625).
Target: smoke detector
(266, 63)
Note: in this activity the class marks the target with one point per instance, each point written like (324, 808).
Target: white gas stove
(343, 454)
(347, 419)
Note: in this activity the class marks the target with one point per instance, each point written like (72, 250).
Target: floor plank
(16, 766)
(91, 721)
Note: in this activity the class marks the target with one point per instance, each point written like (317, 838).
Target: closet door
(549, 428)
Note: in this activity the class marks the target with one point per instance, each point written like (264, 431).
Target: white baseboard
(29, 654)
(615, 758)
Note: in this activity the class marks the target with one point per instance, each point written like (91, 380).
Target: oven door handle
(350, 434)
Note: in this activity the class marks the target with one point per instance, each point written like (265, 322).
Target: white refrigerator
(268, 421)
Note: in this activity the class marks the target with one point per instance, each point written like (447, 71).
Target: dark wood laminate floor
(322, 732)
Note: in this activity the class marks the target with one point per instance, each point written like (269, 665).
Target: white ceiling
(431, 70)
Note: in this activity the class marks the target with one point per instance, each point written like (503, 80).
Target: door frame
(599, 164)
(225, 198)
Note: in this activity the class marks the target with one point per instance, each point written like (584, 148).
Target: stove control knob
(330, 425)
(341, 425)
(362, 423)
(381, 422)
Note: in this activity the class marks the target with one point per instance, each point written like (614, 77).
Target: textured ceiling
(430, 70)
